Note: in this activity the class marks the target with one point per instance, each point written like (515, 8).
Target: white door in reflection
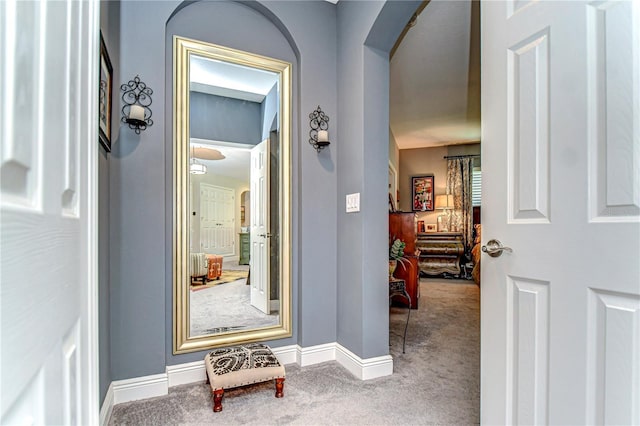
(216, 219)
(259, 260)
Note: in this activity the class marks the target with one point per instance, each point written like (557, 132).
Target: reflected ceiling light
(195, 167)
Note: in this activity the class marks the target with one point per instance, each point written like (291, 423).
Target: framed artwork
(104, 100)
(422, 193)
(431, 227)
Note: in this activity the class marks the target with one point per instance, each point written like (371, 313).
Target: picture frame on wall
(422, 193)
(104, 96)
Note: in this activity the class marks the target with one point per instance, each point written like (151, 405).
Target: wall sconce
(319, 133)
(137, 100)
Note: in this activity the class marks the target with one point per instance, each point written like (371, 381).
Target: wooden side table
(398, 287)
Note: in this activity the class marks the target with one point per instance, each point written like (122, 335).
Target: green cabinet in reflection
(244, 248)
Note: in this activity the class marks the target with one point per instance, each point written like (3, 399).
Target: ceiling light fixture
(195, 167)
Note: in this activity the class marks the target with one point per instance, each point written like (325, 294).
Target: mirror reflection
(232, 150)
(232, 196)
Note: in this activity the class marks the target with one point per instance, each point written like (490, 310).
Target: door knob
(494, 248)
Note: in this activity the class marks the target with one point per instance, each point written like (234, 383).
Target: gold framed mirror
(232, 197)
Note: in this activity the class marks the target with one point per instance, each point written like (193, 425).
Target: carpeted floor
(226, 307)
(437, 381)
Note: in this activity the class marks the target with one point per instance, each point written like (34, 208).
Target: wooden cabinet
(440, 252)
(403, 226)
(244, 248)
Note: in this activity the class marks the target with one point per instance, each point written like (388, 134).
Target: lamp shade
(444, 202)
(197, 168)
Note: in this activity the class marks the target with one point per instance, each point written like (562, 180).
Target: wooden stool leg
(217, 400)
(279, 388)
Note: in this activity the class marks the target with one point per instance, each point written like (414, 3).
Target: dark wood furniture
(398, 287)
(403, 225)
(440, 252)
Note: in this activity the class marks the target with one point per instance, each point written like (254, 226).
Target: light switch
(353, 202)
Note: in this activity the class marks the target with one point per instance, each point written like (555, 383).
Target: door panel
(614, 111)
(217, 216)
(561, 173)
(48, 193)
(259, 258)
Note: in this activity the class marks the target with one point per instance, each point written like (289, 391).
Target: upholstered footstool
(214, 264)
(239, 366)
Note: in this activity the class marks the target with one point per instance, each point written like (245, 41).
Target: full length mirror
(232, 196)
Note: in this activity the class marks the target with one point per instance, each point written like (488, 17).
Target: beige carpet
(437, 381)
(227, 276)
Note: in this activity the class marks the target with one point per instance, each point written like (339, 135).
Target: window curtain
(459, 180)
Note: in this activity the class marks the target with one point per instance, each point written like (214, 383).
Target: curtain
(459, 179)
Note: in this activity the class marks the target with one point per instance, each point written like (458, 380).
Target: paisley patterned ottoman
(239, 366)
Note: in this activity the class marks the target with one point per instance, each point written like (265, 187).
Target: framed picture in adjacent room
(104, 93)
(422, 193)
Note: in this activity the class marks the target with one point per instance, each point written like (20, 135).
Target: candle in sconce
(323, 136)
(136, 113)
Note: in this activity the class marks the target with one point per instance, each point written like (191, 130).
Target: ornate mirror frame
(183, 48)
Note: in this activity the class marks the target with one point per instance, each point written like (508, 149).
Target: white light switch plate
(353, 202)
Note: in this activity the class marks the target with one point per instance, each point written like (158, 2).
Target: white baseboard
(157, 385)
(181, 374)
(140, 388)
(364, 369)
(107, 407)
(316, 354)
(193, 372)
(286, 354)
(231, 258)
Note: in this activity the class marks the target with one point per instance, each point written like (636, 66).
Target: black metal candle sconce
(136, 111)
(319, 135)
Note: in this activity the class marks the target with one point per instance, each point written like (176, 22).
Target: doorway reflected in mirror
(237, 139)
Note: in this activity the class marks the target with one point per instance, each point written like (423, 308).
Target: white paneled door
(48, 206)
(561, 187)
(217, 220)
(259, 235)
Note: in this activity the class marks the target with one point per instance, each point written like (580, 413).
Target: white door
(259, 257)
(217, 219)
(560, 316)
(48, 203)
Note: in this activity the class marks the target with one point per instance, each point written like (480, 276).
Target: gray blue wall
(141, 321)
(366, 33)
(269, 108)
(340, 62)
(225, 119)
(110, 27)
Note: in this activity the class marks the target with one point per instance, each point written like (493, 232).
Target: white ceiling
(434, 86)
(230, 80)
(235, 165)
